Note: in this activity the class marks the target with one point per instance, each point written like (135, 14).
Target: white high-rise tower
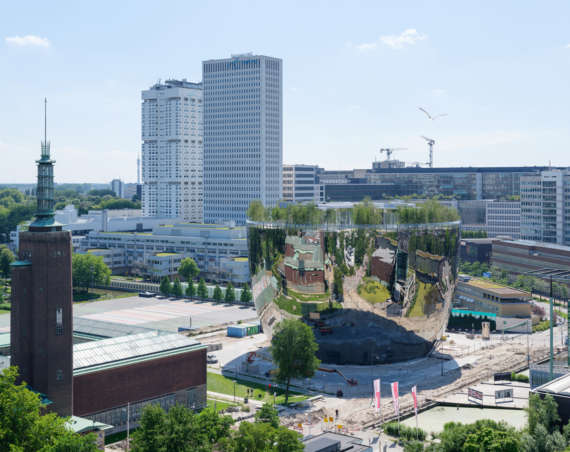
(243, 135)
(172, 150)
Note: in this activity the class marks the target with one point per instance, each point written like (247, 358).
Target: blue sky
(355, 74)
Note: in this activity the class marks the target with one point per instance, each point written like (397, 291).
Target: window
(59, 322)
(59, 375)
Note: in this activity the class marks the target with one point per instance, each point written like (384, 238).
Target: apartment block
(172, 150)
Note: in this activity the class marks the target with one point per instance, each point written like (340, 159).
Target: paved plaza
(164, 314)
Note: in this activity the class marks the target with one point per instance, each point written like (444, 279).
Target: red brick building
(303, 264)
(132, 371)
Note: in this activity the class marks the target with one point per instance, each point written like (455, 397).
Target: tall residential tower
(172, 150)
(41, 315)
(243, 135)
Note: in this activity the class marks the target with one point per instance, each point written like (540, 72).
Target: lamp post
(552, 274)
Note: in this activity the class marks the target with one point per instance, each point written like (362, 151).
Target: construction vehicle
(350, 381)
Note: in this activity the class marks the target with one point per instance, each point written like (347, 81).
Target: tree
(180, 430)
(293, 348)
(191, 289)
(256, 211)
(484, 435)
(24, 427)
(542, 411)
(245, 294)
(202, 289)
(177, 288)
(268, 414)
(188, 269)
(230, 293)
(165, 287)
(262, 437)
(88, 270)
(217, 296)
(6, 258)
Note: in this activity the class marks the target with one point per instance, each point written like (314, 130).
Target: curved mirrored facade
(372, 294)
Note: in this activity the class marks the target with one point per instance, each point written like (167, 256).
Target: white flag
(415, 397)
(395, 398)
(377, 394)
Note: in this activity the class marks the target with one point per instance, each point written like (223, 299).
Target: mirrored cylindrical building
(372, 293)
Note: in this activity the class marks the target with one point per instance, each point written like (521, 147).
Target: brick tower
(41, 316)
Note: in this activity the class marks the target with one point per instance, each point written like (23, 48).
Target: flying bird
(434, 116)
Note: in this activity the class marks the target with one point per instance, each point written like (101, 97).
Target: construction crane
(389, 151)
(432, 117)
(430, 143)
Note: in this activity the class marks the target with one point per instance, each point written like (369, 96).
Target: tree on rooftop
(230, 293)
(256, 211)
(165, 287)
(188, 269)
(89, 270)
(293, 348)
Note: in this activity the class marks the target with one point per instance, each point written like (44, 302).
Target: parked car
(146, 294)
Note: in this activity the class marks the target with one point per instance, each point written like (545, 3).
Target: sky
(354, 75)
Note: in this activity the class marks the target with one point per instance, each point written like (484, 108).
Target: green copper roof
(45, 190)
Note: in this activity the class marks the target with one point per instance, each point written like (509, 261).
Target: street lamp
(553, 274)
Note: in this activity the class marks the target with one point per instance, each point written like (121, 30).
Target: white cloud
(27, 41)
(407, 37)
(366, 46)
(568, 46)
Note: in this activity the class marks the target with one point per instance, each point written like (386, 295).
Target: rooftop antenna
(45, 119)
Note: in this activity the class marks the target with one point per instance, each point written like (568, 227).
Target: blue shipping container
(237, 331)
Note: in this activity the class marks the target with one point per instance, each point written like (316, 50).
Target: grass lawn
(295, 307)
(219, 404)
(541, 326)
(308, 296)
(4, 307)
(224, 385)
(424, 292)
(373, 291)
(100, 294)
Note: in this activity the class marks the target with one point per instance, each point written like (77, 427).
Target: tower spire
(45, 220)
(45, 119)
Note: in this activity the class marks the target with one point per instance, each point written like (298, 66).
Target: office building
(118, 188)
(172, 150)
(482, 295)
(545, 207)
(503, 218)
(41, 315)
(520, 256)
(464, 183)
(220, 251)
(301, 184)
(243, 135)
